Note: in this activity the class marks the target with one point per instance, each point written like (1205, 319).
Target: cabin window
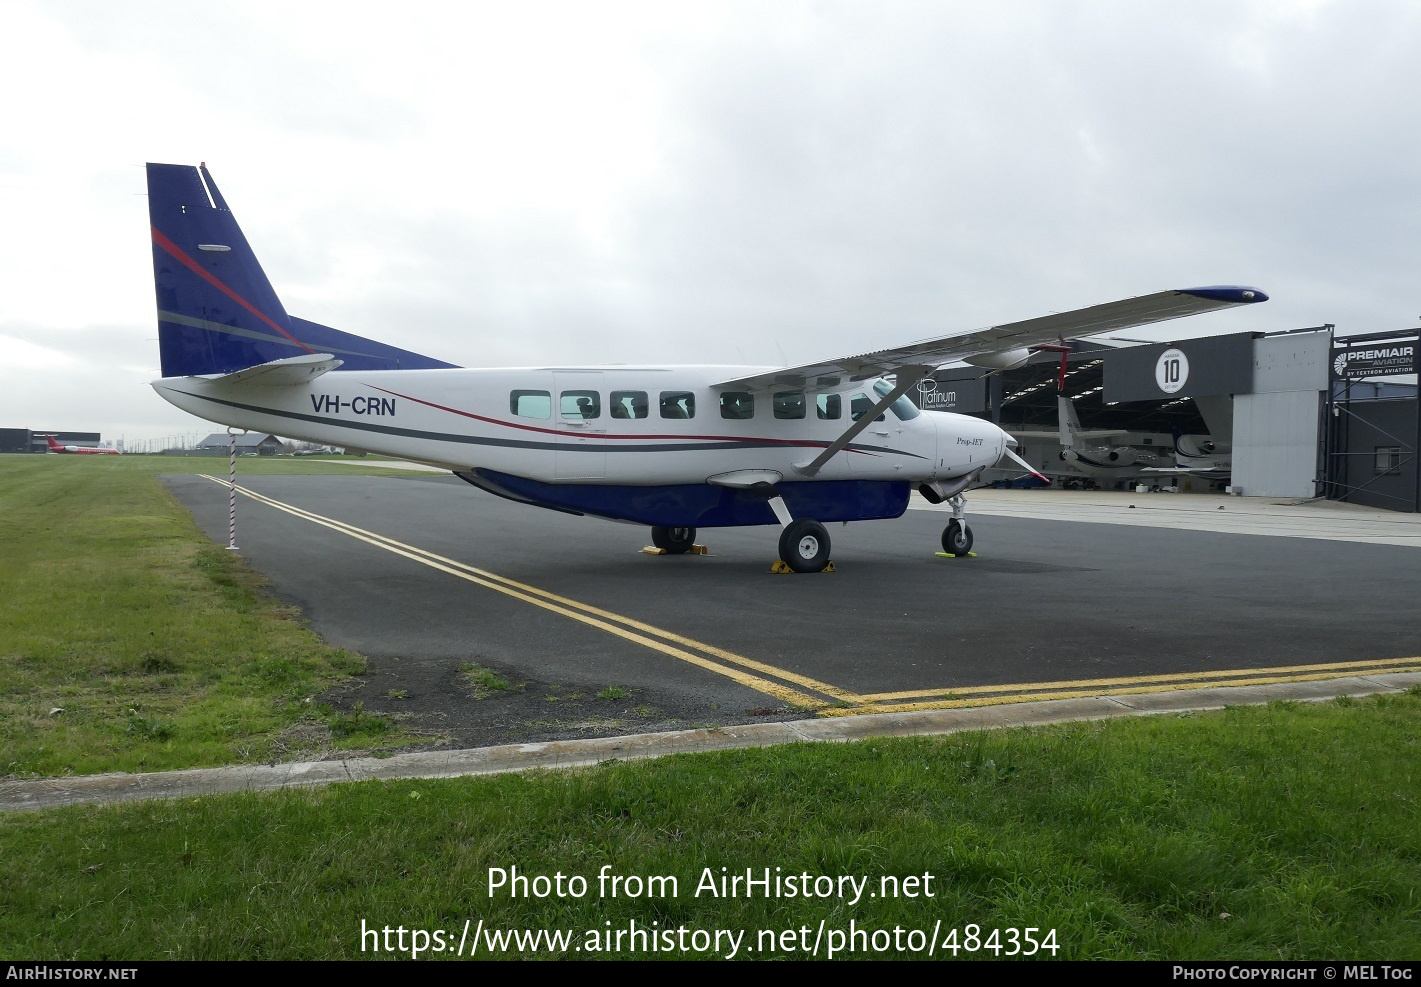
(581, 404)
(628, 404)
(830, 407)
(789, 404)
(531, 404)
(737, 405)
(903, 408)
(859, 406)
(678, 404)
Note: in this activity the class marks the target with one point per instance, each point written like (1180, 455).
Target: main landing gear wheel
(956, 538)
(804, 546)
(673, 541)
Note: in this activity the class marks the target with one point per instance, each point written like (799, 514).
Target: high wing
(933, 353)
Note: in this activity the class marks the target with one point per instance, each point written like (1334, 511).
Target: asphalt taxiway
(1069, 596)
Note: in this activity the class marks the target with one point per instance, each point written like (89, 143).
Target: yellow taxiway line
(1027, 692)
(669, 643)
(1132, 680)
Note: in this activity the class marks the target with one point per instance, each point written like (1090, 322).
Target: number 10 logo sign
(1171, 371)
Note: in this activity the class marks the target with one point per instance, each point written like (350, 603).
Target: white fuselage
(1201, 453)
(597, 425)
(1115, 462)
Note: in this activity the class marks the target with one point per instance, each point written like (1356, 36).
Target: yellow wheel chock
(779, 567)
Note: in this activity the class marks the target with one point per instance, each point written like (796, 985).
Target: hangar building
(1267, 403)
(1374, 422)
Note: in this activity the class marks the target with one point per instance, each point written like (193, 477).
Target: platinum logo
(1172, 371)
(932, 398)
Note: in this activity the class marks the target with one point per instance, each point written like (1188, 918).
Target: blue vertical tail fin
(217, 312)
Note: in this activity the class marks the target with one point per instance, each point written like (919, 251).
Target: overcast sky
(529, 183)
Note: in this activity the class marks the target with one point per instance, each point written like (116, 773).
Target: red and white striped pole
(232, 492)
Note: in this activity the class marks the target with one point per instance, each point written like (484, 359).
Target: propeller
(1024, 465)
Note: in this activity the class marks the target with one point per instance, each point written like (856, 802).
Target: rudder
(1068, 424)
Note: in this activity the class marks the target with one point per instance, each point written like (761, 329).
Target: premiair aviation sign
(1375, 360)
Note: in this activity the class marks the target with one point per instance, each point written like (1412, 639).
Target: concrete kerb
(44, 793)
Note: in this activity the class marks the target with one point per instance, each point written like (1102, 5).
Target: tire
(804, 546)
(673, 541)
(956, 538)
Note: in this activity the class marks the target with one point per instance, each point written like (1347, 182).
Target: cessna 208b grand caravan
(675, 448)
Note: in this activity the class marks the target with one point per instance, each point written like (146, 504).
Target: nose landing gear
(957, 537)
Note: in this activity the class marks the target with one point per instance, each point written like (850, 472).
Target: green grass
(483, 682)
(358, 723)
(1281, 832)
(129, 642)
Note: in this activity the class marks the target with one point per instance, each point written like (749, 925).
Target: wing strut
(907, 377)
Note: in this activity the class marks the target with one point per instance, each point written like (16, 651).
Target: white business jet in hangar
(1103, 461)
(676, 448)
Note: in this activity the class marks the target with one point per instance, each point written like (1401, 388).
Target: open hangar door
(1246, 408)
(1023, 401)
(1261, 395)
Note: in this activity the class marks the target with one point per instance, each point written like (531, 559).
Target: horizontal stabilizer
(283, 373)
(1201, 471)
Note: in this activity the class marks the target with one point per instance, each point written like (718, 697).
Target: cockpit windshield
(903, 408)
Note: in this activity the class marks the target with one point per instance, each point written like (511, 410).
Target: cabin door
(580, 419)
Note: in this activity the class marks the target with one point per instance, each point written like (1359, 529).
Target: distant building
(14, 440)
(262, 443)
(32, 439)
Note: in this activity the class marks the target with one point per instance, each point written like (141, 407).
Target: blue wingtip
(1234, 294)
